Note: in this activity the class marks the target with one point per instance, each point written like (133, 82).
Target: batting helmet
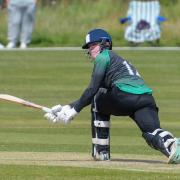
(97, 35)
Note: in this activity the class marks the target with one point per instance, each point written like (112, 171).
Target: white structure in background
(144, 20)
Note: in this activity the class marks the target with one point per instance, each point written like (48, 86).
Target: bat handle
(47, 110)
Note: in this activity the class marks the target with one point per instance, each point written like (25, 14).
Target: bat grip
(47, 110)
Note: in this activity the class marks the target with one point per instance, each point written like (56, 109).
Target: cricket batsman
(116, 88)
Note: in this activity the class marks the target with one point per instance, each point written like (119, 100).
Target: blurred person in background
(2, 5)
(21, 17)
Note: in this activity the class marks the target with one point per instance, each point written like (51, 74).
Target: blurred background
(66, 22)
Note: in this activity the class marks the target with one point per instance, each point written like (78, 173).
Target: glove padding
(66, 114)
(51, 116)
(56, 109)
(62, 114)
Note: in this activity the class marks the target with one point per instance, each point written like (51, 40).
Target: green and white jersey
(121, 73)
(112, 70)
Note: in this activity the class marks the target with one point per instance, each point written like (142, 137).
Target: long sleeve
(100, 65)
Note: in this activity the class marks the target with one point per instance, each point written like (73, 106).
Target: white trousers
(21, 19)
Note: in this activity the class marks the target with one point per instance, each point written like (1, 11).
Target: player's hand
(52, 116)
(66, 114)
(55, 109)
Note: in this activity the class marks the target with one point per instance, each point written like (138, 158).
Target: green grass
(66, 173)
(67, 23)
(50, 78)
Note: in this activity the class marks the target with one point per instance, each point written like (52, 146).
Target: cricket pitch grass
(131, 162)
(31, 148)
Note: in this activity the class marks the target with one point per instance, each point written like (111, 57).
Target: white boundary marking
(80, 49)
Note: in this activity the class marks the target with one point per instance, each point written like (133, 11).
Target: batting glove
(66, 114)
(56, 109)
(52, 116)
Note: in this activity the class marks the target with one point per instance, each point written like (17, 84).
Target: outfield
(32, 148)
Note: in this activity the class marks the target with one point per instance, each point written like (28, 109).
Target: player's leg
(100, 125)
(14, 21)
(113, 102)
(27, 24)
(158, 138)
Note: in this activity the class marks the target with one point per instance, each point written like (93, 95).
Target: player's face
(94, 50)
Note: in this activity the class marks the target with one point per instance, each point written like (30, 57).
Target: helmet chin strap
(103, 45)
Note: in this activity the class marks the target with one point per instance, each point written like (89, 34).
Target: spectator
(1, 7)
(21, 16)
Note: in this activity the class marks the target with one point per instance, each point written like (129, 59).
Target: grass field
(67, 23)
(32, 148)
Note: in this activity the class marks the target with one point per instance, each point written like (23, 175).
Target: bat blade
(18, 100)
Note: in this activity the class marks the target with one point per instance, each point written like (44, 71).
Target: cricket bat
(23, 102)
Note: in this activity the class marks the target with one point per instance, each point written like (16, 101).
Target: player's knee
(100, 92)
(101, 124)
